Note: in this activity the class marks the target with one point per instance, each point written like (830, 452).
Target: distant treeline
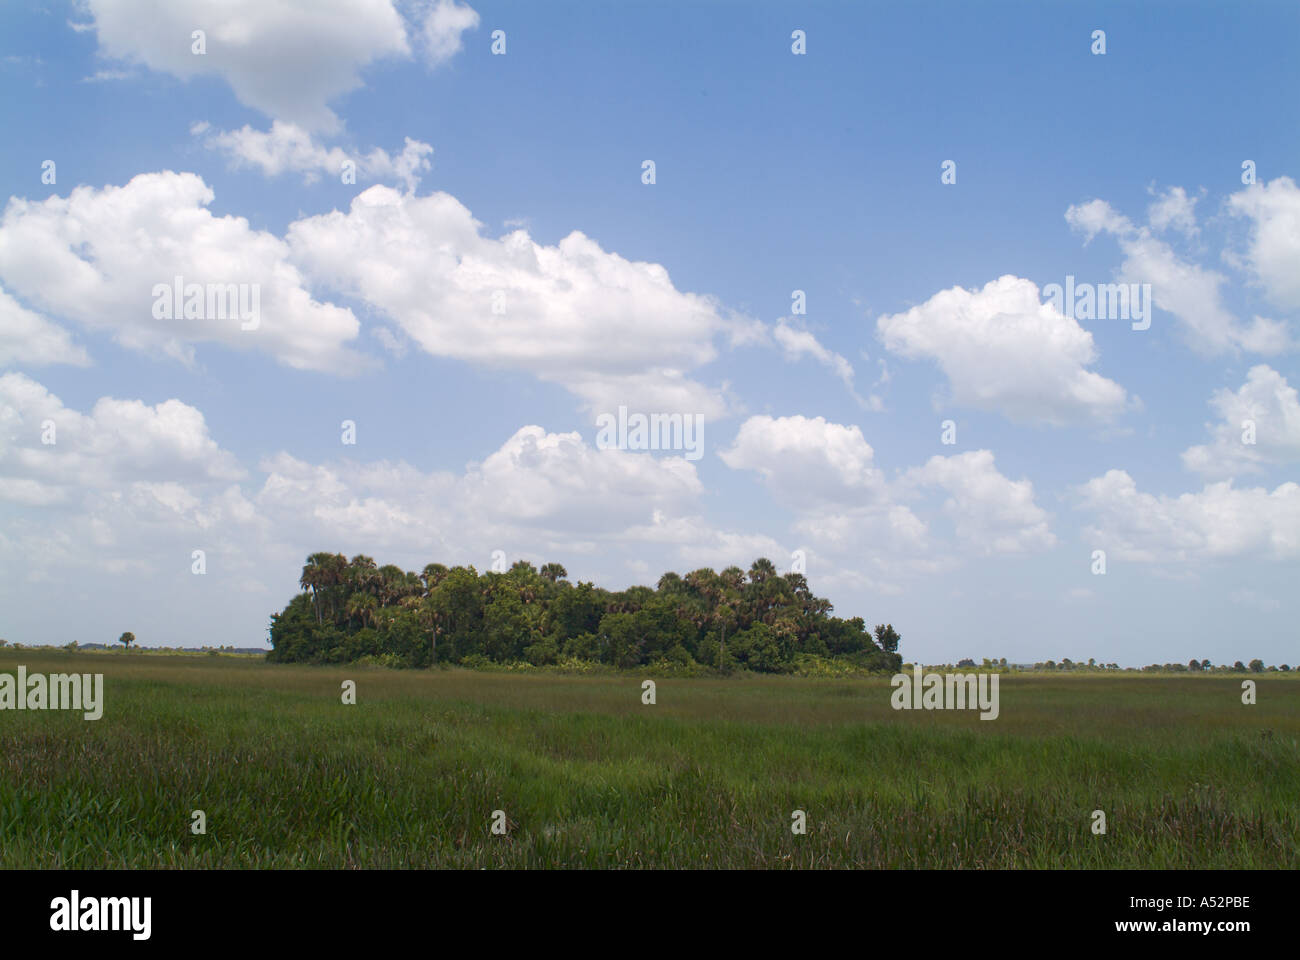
(1068, 665)
(91, 647)
(352, 610)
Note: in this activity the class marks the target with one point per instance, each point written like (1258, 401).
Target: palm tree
(761, 569)
(787, 632)
(638, 597)
(434, 574)
(390, 583)
(362, 606)
(704, 582)
(777, 596)
(553, 572)
(692, 609)
(315, 577)
(429, 619)
(334, 578)
(362, 573)
(670, 583)
(724, 615)
(733, 578)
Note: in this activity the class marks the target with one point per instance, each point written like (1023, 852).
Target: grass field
(588, 776)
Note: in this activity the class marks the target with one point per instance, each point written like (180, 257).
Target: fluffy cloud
(95, 256)
(537, 488)
(878, 541)
(288, 148)
(127, 488)
(696, 543)
(444, 23)
(800, 458)
(1173, 208)
(1274, 407)
(118, 442)
(29, 338)
(1274, 252)
(1003, 349)
(556, 479)
(1192, 294)
(1217, 523)
(611, 330)
(286, 60)
(989, 512)
(825, 473)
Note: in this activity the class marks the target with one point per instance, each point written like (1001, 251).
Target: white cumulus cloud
(29, 338)
(118, 441)
(825, 473)
(1274, 251)
(441, 32)
(611, 330)
(288, 60)
(96, 256)
(1191, 293)
(1003, 349)
(289, 148)
(1266, 403)
(800, 457)
(990, 513)
(1218, 522)
(1173, 208)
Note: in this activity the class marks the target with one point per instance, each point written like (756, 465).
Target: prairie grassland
(588, 776)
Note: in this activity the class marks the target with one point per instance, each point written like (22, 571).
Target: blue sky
(774, 172)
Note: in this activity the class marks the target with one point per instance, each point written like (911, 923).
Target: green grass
(589, 777)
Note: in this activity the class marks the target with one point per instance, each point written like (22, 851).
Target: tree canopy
(760, 620)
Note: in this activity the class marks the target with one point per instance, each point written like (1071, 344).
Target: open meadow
(588, 776)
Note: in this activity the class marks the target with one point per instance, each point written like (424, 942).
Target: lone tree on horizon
(127, 639)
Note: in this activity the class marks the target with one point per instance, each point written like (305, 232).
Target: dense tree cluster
(350, 609)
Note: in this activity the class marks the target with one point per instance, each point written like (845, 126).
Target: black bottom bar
(337, 909)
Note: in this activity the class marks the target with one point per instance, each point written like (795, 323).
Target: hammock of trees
(763, 621)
